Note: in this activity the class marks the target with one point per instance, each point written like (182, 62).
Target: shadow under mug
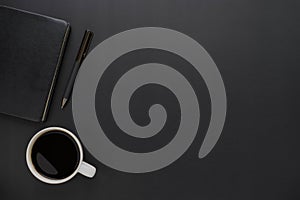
(81, 166)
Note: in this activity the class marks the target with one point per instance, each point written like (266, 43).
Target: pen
(86, 41)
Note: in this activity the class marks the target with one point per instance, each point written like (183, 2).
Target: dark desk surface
(255, 45)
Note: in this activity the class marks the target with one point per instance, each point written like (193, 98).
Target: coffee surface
(55, 155)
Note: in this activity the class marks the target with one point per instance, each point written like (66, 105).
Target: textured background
(255, 44)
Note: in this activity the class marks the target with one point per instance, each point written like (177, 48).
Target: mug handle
(87, 170)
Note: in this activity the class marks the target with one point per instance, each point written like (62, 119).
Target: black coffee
(55, 155)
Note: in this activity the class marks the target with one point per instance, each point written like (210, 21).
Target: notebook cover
(31, 50)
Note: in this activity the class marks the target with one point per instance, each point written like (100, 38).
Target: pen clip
(85, 44)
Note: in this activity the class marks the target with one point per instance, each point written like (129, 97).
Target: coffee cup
(54, 155)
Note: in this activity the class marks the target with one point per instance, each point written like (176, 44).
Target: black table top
(255, 45)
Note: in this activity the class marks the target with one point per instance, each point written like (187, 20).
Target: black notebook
(31, 50)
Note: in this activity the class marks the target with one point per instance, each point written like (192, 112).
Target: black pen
(83, 50)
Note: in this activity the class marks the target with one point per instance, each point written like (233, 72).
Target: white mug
(82, 167)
